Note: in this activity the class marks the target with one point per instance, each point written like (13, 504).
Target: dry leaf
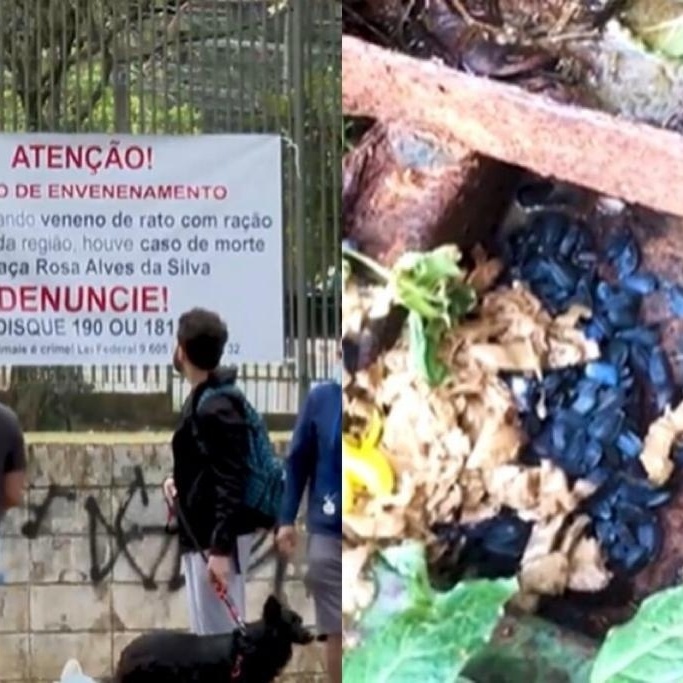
(658, 443)
(455, 448)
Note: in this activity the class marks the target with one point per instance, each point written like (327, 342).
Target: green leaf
(463, 299)
(378, 270)
(401, 581)
(666, 37)
(413, 633)
(424, 340)
(658, 23)
(430, 286)
(408, 561)
(413, 647)
(649, 648)
(422, 281)
(429, 268)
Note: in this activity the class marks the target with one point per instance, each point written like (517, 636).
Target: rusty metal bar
(636, 162)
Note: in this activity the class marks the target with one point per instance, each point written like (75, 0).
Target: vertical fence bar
(121, 75)
(312, 196)
(336, 152)
(297, 99)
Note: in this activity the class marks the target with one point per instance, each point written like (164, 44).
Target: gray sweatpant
(324, 582)
(208, 613)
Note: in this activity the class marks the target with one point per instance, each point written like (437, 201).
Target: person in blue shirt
(315, 460)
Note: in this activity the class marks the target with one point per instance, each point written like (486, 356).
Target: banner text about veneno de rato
(105, 242)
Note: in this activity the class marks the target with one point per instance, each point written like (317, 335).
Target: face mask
(338, 373)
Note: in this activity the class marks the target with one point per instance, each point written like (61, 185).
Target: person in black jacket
(210, 449)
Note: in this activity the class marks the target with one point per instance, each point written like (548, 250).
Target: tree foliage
(85, 65)
(321, 165)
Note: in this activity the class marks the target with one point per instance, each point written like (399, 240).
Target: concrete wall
(87, 565)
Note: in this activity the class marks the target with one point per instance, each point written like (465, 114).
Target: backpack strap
(197, 403)
(210, 392)
(228, 390)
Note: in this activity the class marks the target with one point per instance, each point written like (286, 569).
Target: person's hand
(286, 540)
(219, 573)
(170, 491)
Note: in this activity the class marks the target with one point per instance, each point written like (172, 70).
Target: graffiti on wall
(127, 537)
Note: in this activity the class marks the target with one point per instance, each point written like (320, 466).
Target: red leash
(237, 669)
(223, 594)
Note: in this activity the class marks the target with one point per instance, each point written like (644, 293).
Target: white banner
(106, 240)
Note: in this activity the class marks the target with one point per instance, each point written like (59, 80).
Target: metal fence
(197, 66)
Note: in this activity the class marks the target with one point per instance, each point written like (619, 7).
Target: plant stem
(379, 270)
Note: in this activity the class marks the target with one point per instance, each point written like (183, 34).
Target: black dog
(255, 657)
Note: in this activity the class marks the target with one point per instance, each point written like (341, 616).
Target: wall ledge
(117, 438)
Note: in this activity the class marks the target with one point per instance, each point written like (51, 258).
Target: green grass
(115, 438)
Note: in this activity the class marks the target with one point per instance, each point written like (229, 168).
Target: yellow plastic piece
(374, 430)
(364, 466)
(347, 494)
(367, 468)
